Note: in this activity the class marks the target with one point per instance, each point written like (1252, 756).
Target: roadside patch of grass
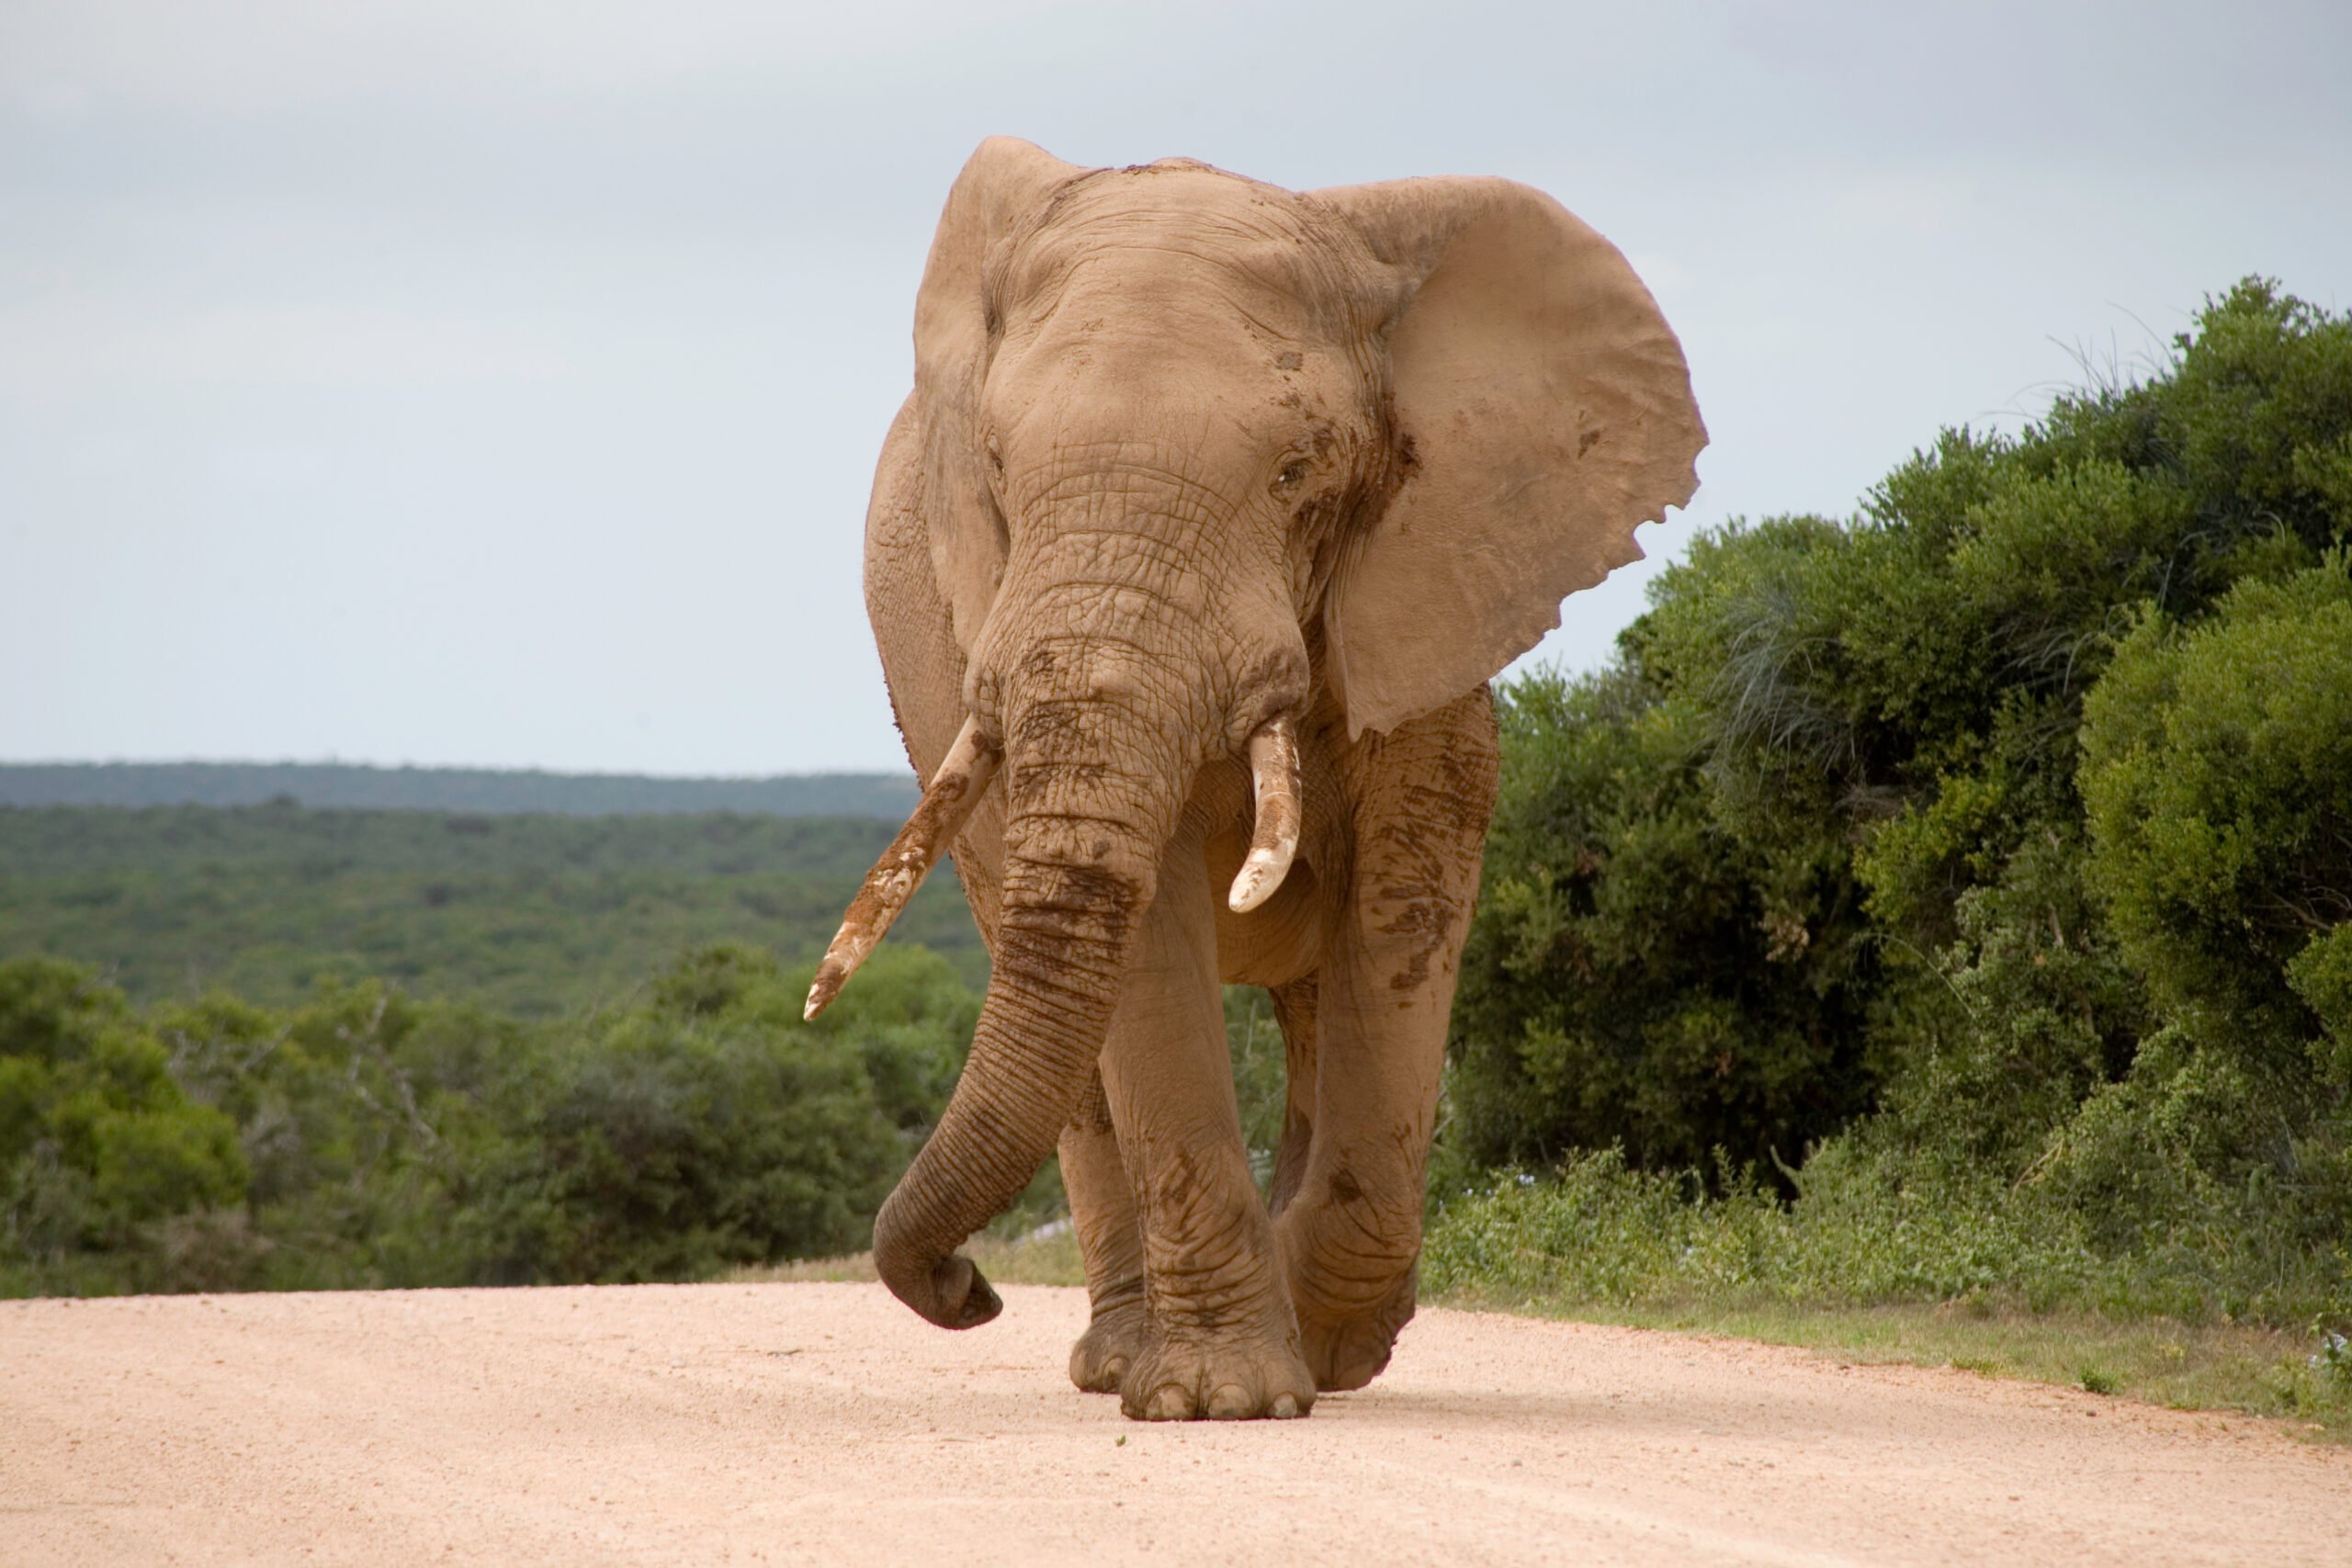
(2236, 1368)
(856, 1268)
(1048, 1256)
(1983, 1277)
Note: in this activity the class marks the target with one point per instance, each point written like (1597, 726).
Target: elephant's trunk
(1092, 791)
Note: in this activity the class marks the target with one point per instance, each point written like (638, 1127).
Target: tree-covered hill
(532, 915)
(334, 784)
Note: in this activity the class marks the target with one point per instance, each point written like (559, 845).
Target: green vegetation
(366, 1139)
(1930, 939)
(530, 915)
(1954, 905)
(349, 788)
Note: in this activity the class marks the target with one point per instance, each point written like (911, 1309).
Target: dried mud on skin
(795, 1423)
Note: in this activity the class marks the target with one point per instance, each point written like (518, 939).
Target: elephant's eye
(1292, 476)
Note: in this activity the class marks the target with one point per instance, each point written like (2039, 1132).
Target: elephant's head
(1200, 455)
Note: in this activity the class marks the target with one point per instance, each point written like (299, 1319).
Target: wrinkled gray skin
(1187, 452)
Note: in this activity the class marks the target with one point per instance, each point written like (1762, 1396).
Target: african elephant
(1212, 510)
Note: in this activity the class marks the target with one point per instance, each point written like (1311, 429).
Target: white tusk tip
(1262, 874)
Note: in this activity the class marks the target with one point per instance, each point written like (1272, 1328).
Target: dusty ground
(823, 1423)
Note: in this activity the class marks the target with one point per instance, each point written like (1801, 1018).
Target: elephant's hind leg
(1102, 1210)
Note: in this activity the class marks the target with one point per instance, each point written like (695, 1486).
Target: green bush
(1994, 849)
(371, 1139)
(1641, 969)
(99, 1145)
(2217, 776)
(2217, 773)
(711, 1127)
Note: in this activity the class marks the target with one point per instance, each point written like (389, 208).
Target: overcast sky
(500, 383)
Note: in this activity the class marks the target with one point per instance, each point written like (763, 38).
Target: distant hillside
(334, 785)
(534, 915)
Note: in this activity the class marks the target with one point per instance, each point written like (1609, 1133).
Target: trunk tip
(965, 1295)
(951, 1292)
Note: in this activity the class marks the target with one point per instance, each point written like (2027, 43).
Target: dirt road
(795, 1423)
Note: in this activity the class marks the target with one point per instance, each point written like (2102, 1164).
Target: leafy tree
(99, 1146)
(2003, 826)
(2217, 770)
(711, 1126)
(1643, 969)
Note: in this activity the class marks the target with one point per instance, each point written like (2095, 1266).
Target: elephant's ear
(1548, 411)
(1003, 184)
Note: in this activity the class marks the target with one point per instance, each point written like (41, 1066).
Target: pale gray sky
(499, 383)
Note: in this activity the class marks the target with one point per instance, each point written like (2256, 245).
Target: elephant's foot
(1348, 1350)
(1112, 1344)
(1182, 1379)
(1347, 1354)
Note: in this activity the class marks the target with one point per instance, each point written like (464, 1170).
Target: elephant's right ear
(1003, 184)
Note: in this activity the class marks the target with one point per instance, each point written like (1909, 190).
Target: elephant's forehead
(1161, 223)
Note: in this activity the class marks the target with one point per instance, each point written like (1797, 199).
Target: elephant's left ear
(1547, 412)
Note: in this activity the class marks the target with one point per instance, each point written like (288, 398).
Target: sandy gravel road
(794, 1424)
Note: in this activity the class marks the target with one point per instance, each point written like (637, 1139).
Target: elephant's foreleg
(1221, 1340)
(1102, 1210)
(1350, 1232)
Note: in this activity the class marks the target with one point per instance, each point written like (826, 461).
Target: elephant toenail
(1284, 1409)
(1230, 1403)
(1171, 1404)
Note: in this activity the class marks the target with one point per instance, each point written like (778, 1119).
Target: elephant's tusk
(1273, 779)
(946, 805)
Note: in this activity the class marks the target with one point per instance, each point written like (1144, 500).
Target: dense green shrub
(2007, 828)
(2217, 771)
(1644, 970)
(711, 1126)
(100, 1144)
(368, 1138)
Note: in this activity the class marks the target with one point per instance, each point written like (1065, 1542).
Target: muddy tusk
(946, 805)
(1273, 779)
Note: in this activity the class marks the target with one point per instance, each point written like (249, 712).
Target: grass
(1868, 1267)
(1046, 1257)
(2236, 1367)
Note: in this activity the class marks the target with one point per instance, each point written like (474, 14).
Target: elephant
(1212, 510)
